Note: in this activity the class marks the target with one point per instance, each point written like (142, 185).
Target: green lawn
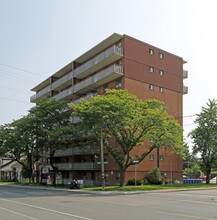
(7, 183)
(152, 187)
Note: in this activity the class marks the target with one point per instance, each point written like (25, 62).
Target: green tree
(46, 126)
(17, 143)
(55, 130)
(130, 122)
(205, 137)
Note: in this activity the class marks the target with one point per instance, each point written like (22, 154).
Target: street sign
(105, 162)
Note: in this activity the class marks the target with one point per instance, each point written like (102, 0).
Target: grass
(7, 183)
(151, 187)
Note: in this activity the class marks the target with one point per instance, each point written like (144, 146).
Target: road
(35, 204)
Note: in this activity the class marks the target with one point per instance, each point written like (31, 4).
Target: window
(105, 87)
(106, 176)
(161, 72)
(161, 55)
(151, 51)
(118, 176)
(151, 69)
(161, 157)
(151, 157)
(161, 89)
(151, 86)
(118, 83)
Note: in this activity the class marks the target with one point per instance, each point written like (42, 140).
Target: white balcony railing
(92, 82)
(76, 151)
(65, 93)
(86, 97)
(185, 90)
(78, 166)
(185, 74)
(41, 93)
(86, 166)
(80, 71)
(62, 80)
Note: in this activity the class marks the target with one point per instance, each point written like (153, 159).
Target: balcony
(185, 90)
(185, 74)
(64, 166)
(75, 151)
(63, 82)
(98, 79)
(41, 94)
(86, 166)
(78, 166)
(62, 153)
(64, 94)
(86, 97)
(105, 58)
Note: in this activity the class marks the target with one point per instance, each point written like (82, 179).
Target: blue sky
(44, 35)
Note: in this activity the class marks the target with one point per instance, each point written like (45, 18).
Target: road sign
(105, 162)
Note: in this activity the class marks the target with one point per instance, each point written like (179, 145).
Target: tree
(130, 122)
(205, 137)
(54, 128)
(17, 143)
(47, 126)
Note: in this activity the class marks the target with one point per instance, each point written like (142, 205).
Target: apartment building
(118, 62)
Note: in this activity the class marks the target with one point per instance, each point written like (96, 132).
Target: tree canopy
(46, 126)
(205, 137)
(130, 122)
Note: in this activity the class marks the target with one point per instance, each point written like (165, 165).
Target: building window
(161, 72)
(151, 157)
(151, 86)
(151, 51)
(161, 157)
(106, 176)
(105, 87)
(161, 55)
(161, 89)
(151, 69)
(118, 176)
(118, 83)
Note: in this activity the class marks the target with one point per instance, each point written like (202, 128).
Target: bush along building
(118, 62)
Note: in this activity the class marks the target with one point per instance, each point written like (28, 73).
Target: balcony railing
(64, 94)
(41, 93)
(185, 90)
(64, 166)
(86, 97)
(67, 78)
(185, 74)
(105, 58)
(78, 166)
(76, 151)
(100, 78)
(86, 166)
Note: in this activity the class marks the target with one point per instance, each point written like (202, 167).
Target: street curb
(102, 192)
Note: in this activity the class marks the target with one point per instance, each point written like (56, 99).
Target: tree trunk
(122, 177)
(208, 176)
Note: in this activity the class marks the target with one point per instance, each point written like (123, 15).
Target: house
(10, 170)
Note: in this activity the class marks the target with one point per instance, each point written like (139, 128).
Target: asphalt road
(35, 204)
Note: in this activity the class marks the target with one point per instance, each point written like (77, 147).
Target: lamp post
(135, 166)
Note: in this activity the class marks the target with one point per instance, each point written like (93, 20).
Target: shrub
(131, 182)
(154, 177)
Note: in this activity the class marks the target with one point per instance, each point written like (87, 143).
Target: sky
(37, 38)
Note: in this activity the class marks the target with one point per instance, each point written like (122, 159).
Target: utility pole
(102, 161)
